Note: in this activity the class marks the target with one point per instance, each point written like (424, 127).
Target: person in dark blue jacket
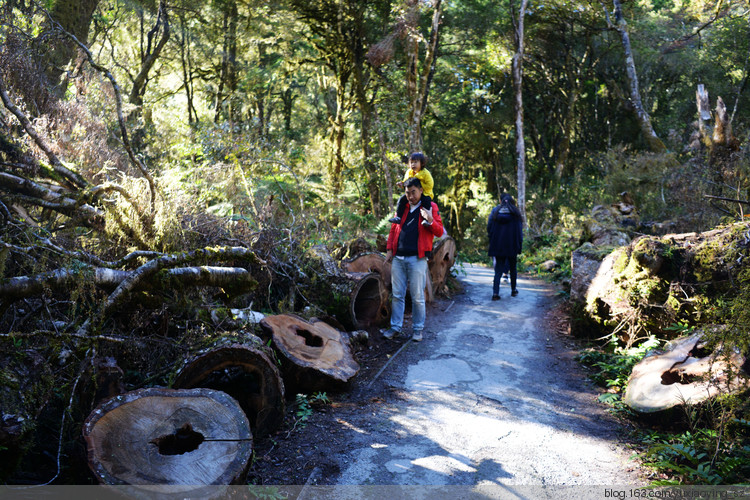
(505, 232)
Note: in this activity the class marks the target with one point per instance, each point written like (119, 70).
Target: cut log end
(169, 437)
(315, 356)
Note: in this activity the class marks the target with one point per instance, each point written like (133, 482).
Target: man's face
(413, 194)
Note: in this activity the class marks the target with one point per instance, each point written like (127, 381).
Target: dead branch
(72, 177)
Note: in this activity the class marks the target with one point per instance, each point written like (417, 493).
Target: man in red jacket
(409, 246)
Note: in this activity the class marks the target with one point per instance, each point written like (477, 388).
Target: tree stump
(246, 372)
(315, 356)
(443, 258)
(169, 437)
(685, 373)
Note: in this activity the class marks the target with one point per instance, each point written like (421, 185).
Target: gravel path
(490, 397)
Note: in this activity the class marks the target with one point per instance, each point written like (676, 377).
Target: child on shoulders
(417, 162)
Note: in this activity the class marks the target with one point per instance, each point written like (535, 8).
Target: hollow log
(443, 258)
(157, 436)
(356, 299)
(369, 262)
(368, 303)
(685, 373)
(314, 355)
(246, 371)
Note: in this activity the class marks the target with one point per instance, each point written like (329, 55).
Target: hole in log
(699, 351)
(310, 339)
(670, 377)
(368, 302)
(184, 440)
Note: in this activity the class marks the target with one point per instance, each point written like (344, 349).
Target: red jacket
(426, 233)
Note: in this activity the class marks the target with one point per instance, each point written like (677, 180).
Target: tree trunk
(156, 436)
(686, 373)
(443, 258)
(644, 119)
(74, 16)
(315, 356)
(517, 69)
(151, 54)
(245, 370)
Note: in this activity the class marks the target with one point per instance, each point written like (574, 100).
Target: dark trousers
(505, 265)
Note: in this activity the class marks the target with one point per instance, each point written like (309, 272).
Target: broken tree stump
(443, 258)
(315, 356)
(245, 370)
(162, 436)
(685, 373)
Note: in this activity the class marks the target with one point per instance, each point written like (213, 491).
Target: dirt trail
(491, 397)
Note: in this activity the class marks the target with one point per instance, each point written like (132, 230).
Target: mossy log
(655, 282)
(246, 371)
(314, 355)
(357, 299)
(684, 373)
(157, 436)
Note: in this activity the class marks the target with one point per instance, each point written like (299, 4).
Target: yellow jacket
(425, 177)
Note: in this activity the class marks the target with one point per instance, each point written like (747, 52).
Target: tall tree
(644, 119)
(418, 81)
(517, 69)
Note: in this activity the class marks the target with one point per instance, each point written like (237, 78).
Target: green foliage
(304, 405)
(701, 456)
(612, 366)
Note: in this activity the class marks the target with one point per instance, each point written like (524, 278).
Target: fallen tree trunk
(160, 436)
(315, 356)
(685, 373)
(245, 370)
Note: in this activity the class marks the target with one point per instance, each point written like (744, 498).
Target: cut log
(246, 372)
(369, 262)
(356, 299)
(443, 258)
(685, 373)
(161, 436)
(368, 303)
(314, 355)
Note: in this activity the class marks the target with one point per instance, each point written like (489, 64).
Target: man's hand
(427, 215)
(389, 256)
